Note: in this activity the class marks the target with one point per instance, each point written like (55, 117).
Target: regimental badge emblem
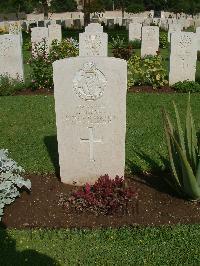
(93, 44)
(89, 83)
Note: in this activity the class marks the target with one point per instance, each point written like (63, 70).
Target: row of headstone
(90, 104)
(184, 47)
(149, 35)
(43, 35)
(78, 23)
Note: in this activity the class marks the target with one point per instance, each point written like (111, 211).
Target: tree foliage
(133, 6)
(63, 5)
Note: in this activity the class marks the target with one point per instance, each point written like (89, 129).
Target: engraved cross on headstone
(91, 140)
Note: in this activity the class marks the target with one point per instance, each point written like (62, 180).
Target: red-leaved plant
(106, 196)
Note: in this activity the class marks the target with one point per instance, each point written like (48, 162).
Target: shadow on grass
(52, 148)
(9, 256)
(157, 178)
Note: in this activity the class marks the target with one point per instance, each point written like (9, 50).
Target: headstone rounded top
(94, 27)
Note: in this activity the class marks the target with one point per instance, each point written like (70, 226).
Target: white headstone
(55, 33)
(198, 38)
(91, 123)
(94, 27)
(173, 28)
(93, 42)
(39, 36)
(150, 40)
(11, 60)
(163, 24)
(198, 30)
(147, 22)
(15, 29)
(183, 57)
(68, 23)
(135, 31)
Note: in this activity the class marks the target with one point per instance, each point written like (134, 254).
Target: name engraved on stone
(89, 82)
(91, 140)
(87, 115)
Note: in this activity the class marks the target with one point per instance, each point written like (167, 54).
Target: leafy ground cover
(126, 246)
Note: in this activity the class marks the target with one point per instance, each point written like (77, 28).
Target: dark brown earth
(136, 89)
(156, 205)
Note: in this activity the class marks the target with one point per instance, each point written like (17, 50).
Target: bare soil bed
(156, 205)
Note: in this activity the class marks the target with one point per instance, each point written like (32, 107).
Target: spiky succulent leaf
(198, 171)
(191, 137)
(180, 134)
(183, 154)
(171, 151)
(191, 187)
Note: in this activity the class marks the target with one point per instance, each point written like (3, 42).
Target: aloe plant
(184, 154)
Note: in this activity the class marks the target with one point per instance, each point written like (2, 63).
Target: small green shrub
(123, 52)
(9, 86)
(121, 49)
(27, 45)
(117, 42)
(146, 71)
(135, 44)
(10, 180)
(41, 61)
(187, 86)
(64, 49)
(42, 72)
(184, 154)
(163, 40)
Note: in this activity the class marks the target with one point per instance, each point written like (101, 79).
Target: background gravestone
(90, 103)
(77, 24)
(11, 60)
(150, 40)
(15, 29)
(39, 36)
(55, 33)
(135, 31)
(198, 38)
(93, 42)
(94, 27)
(111, 23)
(68, 23)
(183, 57)
(173, 28)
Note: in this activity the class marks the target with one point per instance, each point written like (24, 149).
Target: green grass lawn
(137, 246)
(28, 129)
